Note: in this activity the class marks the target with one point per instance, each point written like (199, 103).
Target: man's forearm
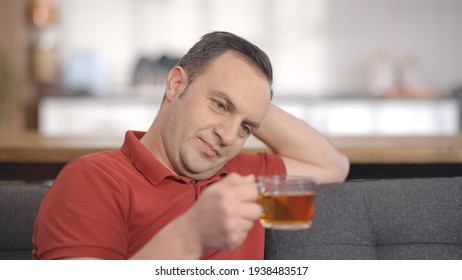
(175, 241)
(304, 150)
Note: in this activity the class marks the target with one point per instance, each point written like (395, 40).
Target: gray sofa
(381, 219)
(370, 219)
(19, 203)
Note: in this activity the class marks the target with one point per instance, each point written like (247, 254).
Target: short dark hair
(214, 44)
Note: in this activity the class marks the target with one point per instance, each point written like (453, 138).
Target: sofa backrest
(378, 219)
(370, 219)
(19, 204)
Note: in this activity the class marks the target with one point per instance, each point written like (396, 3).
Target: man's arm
(220, 219)
(303, 149)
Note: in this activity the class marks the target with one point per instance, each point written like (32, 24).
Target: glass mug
(287, 201)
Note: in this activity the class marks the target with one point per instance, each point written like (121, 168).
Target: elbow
(338, 170)
(335, 170)
(342, 169)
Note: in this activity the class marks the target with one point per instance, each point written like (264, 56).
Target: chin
(197, 167)
(199, 173)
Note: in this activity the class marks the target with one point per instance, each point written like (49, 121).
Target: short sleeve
(83, 214)
(257, 164)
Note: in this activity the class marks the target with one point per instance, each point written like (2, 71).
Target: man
(183, 190)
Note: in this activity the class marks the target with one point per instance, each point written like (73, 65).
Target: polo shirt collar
(149, 165)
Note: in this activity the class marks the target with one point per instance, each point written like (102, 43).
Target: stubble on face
(190, 134)
(191, 146)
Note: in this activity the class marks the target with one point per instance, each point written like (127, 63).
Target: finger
(236, 179)
(245, 192)
(249, 178)
(250, 211)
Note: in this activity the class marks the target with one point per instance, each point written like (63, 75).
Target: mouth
(209, 149)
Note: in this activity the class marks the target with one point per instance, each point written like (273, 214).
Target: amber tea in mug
(287, 201)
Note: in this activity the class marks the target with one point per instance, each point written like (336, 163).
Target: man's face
(208, 124)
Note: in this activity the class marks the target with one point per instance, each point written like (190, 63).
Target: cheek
(181, 115)
(200, 118)
(236, 148)
(191, 120)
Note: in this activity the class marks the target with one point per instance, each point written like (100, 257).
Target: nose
(227, 130)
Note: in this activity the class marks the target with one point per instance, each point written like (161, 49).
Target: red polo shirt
(109, 204)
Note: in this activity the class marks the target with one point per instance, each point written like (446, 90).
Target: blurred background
(349, 67)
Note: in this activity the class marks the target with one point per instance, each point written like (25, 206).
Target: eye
(219, 106)
(246, 129)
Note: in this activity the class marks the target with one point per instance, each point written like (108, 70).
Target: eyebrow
(232, 107)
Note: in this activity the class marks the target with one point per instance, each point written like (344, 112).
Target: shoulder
(257, 164)
(99, 158)
(94, 172)
(109, 162)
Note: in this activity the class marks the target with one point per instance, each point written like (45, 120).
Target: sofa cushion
(378, 219)
(19, 204)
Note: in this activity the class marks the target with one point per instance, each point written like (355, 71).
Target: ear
(177, 81)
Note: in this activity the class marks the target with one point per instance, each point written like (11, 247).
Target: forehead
(241, 81)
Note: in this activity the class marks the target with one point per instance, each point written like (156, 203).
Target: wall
(14, 91)
(318, 47)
